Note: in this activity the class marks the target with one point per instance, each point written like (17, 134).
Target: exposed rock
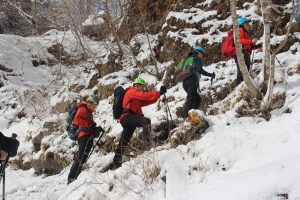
(104, 91)
(93, 81)
(108, 68)
(97, 29)
(148, 13)
(22, 161)
(6, 69)
(60, 55)
(48, 128)
(61, 107)
(294, 70)
(48, 163)
(295, 27)
(278, 100)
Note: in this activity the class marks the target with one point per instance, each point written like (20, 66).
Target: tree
(238, 46)
(30, 18)
(270, 62)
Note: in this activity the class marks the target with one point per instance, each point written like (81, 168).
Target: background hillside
(241, 156)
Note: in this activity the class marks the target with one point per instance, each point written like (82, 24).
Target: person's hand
(213, 75)
(93, 125)
(254, 40)
(101, 129)
(97, 130)
(163, 90)
(3, 155)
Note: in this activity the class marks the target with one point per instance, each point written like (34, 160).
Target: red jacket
(83, 119)
(246, 40)
(135, 99)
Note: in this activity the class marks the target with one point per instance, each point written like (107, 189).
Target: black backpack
(119, 93)
(72, 129)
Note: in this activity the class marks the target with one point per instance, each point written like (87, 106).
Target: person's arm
(2, 139)
(244, 38)
(146, 98)
(199, 68)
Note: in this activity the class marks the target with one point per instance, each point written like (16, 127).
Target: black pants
(85, 144)
(190, 86)
(239, 76)
(129, 124)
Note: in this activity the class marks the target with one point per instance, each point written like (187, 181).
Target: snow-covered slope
(244, 158)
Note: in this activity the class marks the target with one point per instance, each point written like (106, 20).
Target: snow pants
(239, 76)
(129, 124)
(85, 144)
(190, 85)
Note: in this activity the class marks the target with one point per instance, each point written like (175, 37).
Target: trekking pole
(2, 170)
(95, 145)
(168, 112)
(278, 62)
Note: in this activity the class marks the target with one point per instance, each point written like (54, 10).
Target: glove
(93, 125)
(163, 90)
(213, 75)
(9, 145)
(97, 131)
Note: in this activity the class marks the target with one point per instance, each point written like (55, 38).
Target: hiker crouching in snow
(134, 99)
(87, 131)
(191, 82)
(247, 45)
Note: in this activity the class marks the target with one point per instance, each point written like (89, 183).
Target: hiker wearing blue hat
(191, 67)
(248, 45)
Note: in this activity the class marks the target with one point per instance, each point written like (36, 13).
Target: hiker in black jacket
(191, 83)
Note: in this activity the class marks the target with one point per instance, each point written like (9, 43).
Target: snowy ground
(236, 159)
(246, 159)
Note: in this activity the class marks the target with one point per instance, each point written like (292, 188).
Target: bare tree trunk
(267, 40)
(33, 19)
(268, 97)
(112, 26)
(89, 7)
(76, 30)
(158, 75)
(81, 11)
(240, 57)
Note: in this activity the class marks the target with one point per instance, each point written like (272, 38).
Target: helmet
(199, 49)
(93, 99)
(243, 20)
(139, 81)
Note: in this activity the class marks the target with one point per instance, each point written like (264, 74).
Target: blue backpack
(297, 14)
(72, 129)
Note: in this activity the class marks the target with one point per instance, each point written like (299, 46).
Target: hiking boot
(111, 166)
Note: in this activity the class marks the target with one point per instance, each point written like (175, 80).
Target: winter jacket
(199, 67)
(246, 40)
(135, 99)
(83, 119)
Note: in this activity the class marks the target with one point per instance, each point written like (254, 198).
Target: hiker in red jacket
(135, 98)
(247, 46)
(87, 131)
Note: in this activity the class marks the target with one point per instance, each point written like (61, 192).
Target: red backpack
(227, 47)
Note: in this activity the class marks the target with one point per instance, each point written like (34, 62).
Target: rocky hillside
(41, 76)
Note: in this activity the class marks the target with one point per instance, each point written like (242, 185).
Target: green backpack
(187, 64)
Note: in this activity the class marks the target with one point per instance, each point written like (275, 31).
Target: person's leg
(130, 123)
(190, 85)
(239, 76)
(124, 140)
(85, 144)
